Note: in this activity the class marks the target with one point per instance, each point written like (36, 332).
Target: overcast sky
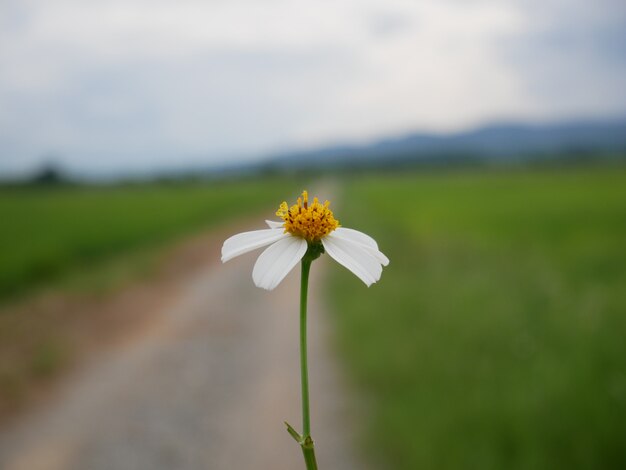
(133, 85)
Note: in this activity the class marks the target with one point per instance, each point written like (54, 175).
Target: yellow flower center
(309, 221)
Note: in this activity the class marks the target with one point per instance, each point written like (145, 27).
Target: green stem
(305, 440)
(304, 371)
(309, 454)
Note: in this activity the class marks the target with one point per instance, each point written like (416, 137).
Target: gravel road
(207, 387)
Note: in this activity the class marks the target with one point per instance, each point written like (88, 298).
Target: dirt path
(208, 387)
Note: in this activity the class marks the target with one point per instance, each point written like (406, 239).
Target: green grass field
(496, 337)
(48, 232)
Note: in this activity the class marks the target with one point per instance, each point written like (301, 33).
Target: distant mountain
(494, 143)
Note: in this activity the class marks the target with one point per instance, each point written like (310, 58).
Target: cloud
(137, 84)
(572, 57)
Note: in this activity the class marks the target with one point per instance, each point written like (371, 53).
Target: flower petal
(274, 224)
(277, 260)
(356, 236)
(248, 241)
(363, 239)
(355, 257)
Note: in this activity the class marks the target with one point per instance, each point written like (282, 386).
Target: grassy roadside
(496, 336)
(49, 233)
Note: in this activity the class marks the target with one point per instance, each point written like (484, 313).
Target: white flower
(305, 225)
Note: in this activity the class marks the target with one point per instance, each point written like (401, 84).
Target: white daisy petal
(277, 260)
(355, 235)
(363, 239)
(354, 257)
(248, 241)
(274, 224)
